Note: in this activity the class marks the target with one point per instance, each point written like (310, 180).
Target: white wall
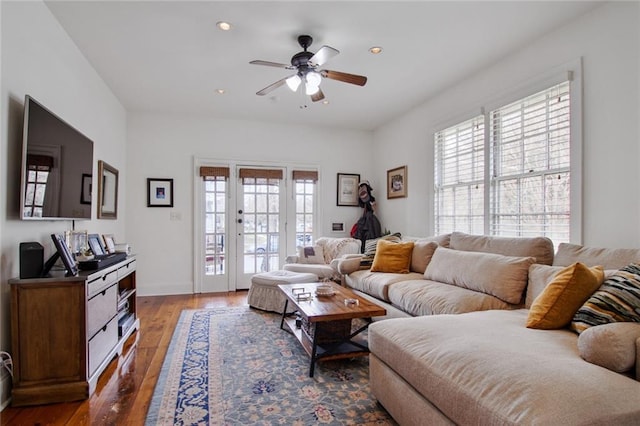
(608, 41)
(39, 59)
(161, 146)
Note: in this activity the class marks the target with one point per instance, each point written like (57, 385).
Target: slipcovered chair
(317, 259)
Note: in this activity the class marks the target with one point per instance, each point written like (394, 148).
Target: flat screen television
(57, 167)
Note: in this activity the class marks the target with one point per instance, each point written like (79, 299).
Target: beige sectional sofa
(452, 274)
(483, 366)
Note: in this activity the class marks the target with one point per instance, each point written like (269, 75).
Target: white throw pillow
(311, 255)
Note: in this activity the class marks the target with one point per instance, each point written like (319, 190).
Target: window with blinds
(530, 166)
(529, 170)
(459, 178)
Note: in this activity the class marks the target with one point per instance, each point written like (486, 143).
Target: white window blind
(459, 178)
(530, 166)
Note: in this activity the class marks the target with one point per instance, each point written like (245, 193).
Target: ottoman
(264, 292)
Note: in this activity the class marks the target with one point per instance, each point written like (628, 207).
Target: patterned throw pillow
(370, 245)
(617, 300)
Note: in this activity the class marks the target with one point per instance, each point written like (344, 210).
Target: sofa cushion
(311, 255)
(487, 367)
(541, 248)
(321, 270)
(591, 256)
(377, 284)
(392, 257)
(617, 300)
(421, 256)
(567, 292)
(502, 276)
(611, 346)
(424, 297)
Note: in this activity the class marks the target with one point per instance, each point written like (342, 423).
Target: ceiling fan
(306, 66)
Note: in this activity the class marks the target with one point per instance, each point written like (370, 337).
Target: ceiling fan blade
(272, 87)
(323, 55)
(270, 64)
(360, 80)
(318, 96)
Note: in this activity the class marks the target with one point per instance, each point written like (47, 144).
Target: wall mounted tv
(57, 167)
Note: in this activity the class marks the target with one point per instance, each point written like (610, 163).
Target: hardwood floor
(124, 390)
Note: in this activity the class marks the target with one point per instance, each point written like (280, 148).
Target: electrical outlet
(175, 216)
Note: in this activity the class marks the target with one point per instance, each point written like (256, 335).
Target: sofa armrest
(292, 259)
(347, 264)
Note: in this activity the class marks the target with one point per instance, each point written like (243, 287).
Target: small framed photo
(109, 243)
(397, 182)
(96, 245)
(347, 194)
(159, 192)
(85, 192)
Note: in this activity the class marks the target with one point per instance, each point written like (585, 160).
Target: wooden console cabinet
(66, 330)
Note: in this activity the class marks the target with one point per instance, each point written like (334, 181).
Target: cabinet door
(49, 332)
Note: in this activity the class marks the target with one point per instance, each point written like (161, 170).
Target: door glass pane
(215, 262)
(261, 219)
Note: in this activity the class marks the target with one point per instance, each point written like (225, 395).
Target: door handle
(239, 220)
(240, 211)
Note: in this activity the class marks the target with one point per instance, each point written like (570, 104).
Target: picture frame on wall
(85, 193)
(397, 182)
(347, 192)
(159, 192)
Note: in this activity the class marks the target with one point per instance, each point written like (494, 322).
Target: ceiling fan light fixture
(293, 82)
(313, 78)
(311, 90)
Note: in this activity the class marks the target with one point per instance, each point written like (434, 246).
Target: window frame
(541, 83)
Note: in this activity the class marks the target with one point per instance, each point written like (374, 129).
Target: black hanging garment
(368, 228)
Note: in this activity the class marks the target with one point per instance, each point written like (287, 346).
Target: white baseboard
(5, 390)
(164, 290)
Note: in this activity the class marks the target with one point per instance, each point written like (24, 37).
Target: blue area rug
(234, 366)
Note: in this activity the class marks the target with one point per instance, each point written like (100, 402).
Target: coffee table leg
(314, 349)
(284, 313)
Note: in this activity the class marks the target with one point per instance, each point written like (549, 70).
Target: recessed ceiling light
(224, 26)
(220, 91)
(325, 102)
(375, 50)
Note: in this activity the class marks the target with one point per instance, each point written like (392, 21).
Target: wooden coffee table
(324, 328)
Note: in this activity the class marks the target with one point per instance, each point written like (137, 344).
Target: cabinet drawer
(101, 344)
(101, 308)
(99, 284)
(126, 269)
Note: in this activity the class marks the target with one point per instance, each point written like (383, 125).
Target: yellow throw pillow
(560, 300)
(392, 257)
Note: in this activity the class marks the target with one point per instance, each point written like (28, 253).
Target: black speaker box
(31, 260)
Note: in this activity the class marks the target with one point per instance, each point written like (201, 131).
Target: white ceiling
(169, 56)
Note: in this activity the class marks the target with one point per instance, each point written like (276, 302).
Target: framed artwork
(109, 243)
(107, 191)
(85, 192)
(347, 194)
(159, 192)
(397, 182)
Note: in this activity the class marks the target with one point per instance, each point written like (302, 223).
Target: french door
(240, 228)
(260, 222)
